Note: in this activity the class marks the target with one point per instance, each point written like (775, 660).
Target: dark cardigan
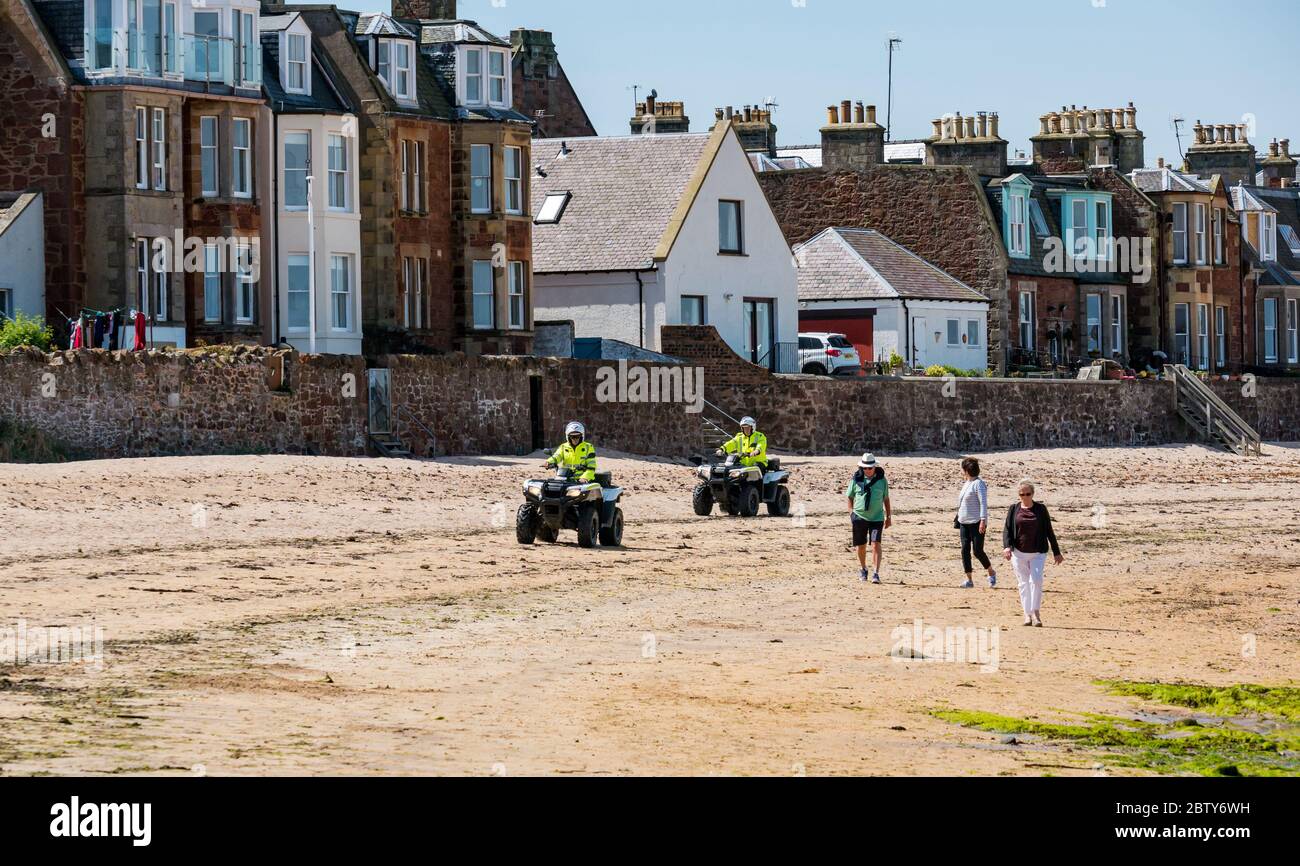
(1045, 536)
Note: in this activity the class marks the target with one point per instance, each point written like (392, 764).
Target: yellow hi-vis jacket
(756, 443)
(582, 459)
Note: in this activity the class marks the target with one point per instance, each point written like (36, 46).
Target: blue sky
(1214, 60)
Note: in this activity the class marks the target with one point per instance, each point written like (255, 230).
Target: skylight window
(553, 208)
(1292, 239)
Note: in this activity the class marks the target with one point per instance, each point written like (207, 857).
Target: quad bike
(563, 502)
(741, 490)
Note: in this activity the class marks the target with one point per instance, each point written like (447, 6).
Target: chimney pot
(859, 113)
(1284, 147)
(1160, 163)
(970, 126)
(993, 125)
(832, 116)
(959, 126)
(871, 114)
(846, 111)
(983, 124)
(1242, 133)
(938, 129)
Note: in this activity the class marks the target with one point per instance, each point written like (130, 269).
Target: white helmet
(575, 428)
(749, 422)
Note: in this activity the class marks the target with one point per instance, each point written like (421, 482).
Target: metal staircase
(389, 445)
(1209, 415)
(712, 434)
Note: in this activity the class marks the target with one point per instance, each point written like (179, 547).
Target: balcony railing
(209, 59)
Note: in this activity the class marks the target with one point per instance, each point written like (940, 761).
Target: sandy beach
(289, 615)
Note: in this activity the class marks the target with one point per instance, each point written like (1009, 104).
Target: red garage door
(858, 327)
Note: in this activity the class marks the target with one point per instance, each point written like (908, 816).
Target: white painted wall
(767, 270)
(600, 305)
(22, 254)
(337, 233)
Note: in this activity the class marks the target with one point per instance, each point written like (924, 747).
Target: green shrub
(939, 371)
(23, 330)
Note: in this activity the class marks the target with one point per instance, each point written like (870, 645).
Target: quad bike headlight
(737, 473)
(533, 490)
(704, 472)
(574, 492)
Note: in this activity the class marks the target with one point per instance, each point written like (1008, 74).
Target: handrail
(1199, 388)
(433, 439)
(722, 413)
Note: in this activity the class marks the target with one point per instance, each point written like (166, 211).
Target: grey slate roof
(1287, 204)
(1050, 207)
(381, 24)
(323, 99)
(1167, 180)
(625, 191)
(860, 264)
(459, 32)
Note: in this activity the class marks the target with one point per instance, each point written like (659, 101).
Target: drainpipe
(907, 334)
(640, 302)
(277, 314)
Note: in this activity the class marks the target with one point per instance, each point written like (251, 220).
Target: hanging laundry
(101, 322)
(139, 333)
(110, 333)
(77, 341)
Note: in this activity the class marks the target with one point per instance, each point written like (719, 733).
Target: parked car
(828, 354)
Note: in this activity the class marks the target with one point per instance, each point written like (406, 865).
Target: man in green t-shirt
(870, 512)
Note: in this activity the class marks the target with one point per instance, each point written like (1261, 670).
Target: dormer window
(295, 63)
(395, 64)
(487, 77)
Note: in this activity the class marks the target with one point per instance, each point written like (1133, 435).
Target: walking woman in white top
(973, 521)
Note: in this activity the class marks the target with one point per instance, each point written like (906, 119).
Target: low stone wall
(231, 401)
(124, 404)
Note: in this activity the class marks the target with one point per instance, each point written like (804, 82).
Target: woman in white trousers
(1026, 539)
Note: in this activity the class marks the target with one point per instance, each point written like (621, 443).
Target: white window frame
(347, 293)
(473, 80)
(245, 289)
(290, 260)
(1221, 334)
(241, 158)
(1028, 307)
(496, 81)
(1219, 218)
(142, 266)
(517, 294)
(514, 181)
(952, 327)
(305, 170)
(142, 161)
(296, 67)
(421, 191)
(160, 149)
(1101, 231)
(1079, 229)
(1180, 234)
(1270, 331)
(1268, 237)
(1094, 323)
(1292, 332)
(210, 147)
(479, 268)
(973, 338)
(1202, 250)
(211, 284)
(1117, 315)
(476, 149)
(1183, 338)
(1203, 336)
(1019, 225)
(337, 143)
(404, 193)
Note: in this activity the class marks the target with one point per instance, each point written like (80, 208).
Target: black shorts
(867, 532)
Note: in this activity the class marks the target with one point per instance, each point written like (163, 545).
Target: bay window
(1221, 334)
(1116, 325)
(142, 148)
(1202, 336)
(1101, 231)
(514, 180)
(207, 65)
(1182, 332)
(211, 284)
(341, 292)
(1200, 235)
(1027, 320)
(1079, 227)
(245, 287)
(497, 77)
(1218, 236)
(1094, 323)
(338, 173)
(1268, 237)
(1270, 330)
(159, 149)
(1019, 234)
(1292, 336)
(474, 76)
(299, 273)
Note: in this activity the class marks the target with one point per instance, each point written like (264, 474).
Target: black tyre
(750, 500)
(589, 526)
(780, 505)
(548, 535)
(612, 535)
(814, 370)
(733, 504)
(526, 524)
(702, 500)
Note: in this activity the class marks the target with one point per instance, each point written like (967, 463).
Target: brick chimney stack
(1279, 169)
(1223, 149)
(972, 141)
(754, 128)
(436, 10)
(852, 143)
(660, 118)
(1076, 139)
